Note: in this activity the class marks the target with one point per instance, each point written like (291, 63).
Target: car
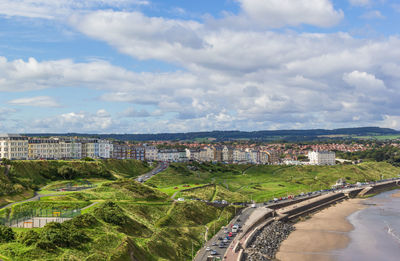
(220, 238)
(214, 244)
(213, 252)
(208, 249)
(221, 245)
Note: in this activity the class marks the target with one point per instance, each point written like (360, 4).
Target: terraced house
(13, 147)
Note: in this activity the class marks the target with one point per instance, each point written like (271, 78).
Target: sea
(376, 234)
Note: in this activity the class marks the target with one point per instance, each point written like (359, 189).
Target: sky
(154, 66)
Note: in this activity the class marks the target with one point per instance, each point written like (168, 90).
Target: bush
(61, 235)
(67, 172)
(6, 234)
(111, 213)
(28, 238)
(46, 245)
(87, 159)
(82, 221)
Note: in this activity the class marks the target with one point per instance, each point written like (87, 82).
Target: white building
(239, 156)
(322, 157)
(13, 146)
(151, 153)
(43, 148)
(169, 155)
(96, 148)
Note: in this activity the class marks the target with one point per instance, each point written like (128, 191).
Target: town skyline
(151, 66)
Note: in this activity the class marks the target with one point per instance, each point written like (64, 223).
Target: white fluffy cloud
(277, 13)
(99, 122)
(230, 78)
(39, 101)
(51, 9)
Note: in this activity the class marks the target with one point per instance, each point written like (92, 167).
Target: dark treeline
(267, 135)
(387, 153)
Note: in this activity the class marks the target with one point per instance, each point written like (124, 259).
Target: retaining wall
(305, 207)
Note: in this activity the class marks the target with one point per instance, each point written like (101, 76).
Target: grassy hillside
(144, 224)
(264, 182)
(25, 177)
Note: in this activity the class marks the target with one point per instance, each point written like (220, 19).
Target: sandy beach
(396, 195)
(316, 237)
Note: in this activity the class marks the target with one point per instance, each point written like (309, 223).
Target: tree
(67, 172)
(6, 234)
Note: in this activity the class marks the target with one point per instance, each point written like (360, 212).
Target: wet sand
(396, 195)
(316, 237)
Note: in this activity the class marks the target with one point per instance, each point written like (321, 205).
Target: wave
(392, 232)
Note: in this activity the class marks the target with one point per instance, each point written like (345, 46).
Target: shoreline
(316, 237)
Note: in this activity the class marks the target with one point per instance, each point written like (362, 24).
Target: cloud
(360, 2)
(39, 101)
(50, 9)
(229, 77)
(363, 81)
(375, 14)
(278, 13)
(99, 122)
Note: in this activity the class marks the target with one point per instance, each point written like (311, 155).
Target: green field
(264, 182)
(141, 220)
(153, 227)
(25, 177)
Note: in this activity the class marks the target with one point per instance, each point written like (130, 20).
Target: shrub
(6, 234)
(111, 213)
(67, 172)
(82, 221)
(87, 159)
(46, 245)
(28, 238)
(61, 235)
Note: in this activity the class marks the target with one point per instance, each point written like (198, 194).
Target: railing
(39, 217)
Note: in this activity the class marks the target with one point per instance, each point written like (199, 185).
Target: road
(160, 167)
(203, 253)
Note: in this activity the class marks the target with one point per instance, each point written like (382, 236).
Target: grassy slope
(158, 229)
(261, 183)
(161, 230)
(27, 176)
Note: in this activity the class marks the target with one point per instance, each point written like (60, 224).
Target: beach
(396, 195)
(316, 237)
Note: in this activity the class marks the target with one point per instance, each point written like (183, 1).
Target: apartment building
(138, 153)
(96, 148)
(151, 153)
(43, 148)
(168, 155)
(13, 146)
(239, 156)
(121, 151)
(227, 154)
(322, 157)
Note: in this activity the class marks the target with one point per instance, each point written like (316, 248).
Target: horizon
(147, 66)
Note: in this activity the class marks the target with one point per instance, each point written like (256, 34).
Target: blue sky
(142, 66)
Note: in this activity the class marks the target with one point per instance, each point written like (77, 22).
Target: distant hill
(267, 135)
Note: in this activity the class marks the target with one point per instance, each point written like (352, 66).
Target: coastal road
(202, 254)
(160, 167)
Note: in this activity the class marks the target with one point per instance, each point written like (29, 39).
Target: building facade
(322, 157)
(14, 147)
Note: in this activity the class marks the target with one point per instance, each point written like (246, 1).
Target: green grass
(378, 137)
(157, 228)
(261, 183)
(28, 176)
